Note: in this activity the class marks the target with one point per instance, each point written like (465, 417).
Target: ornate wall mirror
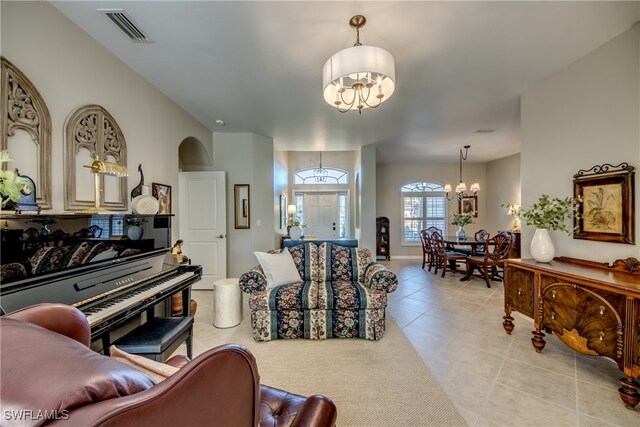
(241, 204)
(90, 133)
(26, 130)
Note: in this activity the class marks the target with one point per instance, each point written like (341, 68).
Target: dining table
(452, 241)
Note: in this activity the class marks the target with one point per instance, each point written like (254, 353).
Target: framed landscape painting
(606, 212)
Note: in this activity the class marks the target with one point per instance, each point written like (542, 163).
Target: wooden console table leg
(629, 392)
(508, 322)
(538, 341)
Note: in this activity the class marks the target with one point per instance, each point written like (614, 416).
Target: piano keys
(109, 292)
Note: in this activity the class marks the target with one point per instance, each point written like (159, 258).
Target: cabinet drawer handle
(553, 316)
(601, 336)
(519, 291)
(602, 310)
(553, 294)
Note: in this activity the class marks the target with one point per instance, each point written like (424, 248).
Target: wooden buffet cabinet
(593, 308)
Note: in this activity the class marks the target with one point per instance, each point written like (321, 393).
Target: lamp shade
(291, 209)
(475, 187)
(355, 63)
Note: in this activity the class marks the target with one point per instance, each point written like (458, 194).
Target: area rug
(373, 383)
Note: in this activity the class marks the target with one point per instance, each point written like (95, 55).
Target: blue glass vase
(461, 234)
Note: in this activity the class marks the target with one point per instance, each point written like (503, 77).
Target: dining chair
(443, 257)
(481, 236)
(426, 248)
(497, 251)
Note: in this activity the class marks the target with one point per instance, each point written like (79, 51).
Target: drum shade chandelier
(461, 188)
(360, 76)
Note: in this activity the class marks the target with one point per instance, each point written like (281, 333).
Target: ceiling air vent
(128, 26)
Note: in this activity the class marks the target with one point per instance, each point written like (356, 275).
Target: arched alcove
(193, 156)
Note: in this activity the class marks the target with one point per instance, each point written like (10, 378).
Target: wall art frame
(242, 206)
(607, 210)
(24, 109)
(92, 128)
(162, 192)
(283, 211)
(468, 204)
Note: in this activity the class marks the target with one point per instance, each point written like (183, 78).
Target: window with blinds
(424, 205)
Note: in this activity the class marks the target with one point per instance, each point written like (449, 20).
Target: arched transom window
(424, 204)
(332, 176)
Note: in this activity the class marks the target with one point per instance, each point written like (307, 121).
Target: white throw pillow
(279, 268)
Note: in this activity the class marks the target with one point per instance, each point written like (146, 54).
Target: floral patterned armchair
(342, 293)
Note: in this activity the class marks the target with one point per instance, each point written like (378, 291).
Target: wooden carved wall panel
(23, 108)
(91, 127)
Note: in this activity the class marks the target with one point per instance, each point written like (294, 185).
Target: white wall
(583, 115)
(503, 187)
(70, 69)
(247, 158)
(368, 212)
(391, 178)
(280, 187)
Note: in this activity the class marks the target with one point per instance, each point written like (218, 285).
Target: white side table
(227, 303)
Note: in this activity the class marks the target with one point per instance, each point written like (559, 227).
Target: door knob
(220, 236)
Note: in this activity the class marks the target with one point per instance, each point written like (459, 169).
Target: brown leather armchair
(44, 369)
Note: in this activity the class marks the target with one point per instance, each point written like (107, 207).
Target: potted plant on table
(549, 214)
(461, 219)
(135, 231)
(295, 228)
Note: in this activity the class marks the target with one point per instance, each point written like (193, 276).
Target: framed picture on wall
(241, 206)
(283, 211)
(468, 204)
(608, 200)
(162, 192)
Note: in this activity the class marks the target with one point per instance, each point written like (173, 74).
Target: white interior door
(321, 215)
(203, 224)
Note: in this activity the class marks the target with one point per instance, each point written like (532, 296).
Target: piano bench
(158, 338)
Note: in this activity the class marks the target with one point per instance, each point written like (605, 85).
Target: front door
(203, 224)
(321, 215)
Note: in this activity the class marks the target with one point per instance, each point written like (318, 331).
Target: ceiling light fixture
(359, 76)
(461, 188)
(320, 173)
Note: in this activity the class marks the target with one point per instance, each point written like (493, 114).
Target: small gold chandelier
(359, 76)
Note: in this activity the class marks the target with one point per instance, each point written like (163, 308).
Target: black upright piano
(110, 279)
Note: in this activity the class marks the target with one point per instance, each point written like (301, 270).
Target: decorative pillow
(156, 370)
(46, 371)
(278, 268)
(102, 256)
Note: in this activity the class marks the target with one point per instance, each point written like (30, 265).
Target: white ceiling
(460, 66)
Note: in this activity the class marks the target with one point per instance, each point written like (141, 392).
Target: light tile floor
(497, 379)
(493, 378)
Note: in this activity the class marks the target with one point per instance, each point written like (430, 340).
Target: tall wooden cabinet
(593, 308)
(383, 249)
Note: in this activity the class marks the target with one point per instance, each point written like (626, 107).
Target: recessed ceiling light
(486, 130)
(220, 122)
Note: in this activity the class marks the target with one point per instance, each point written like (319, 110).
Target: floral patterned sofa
(342, 293)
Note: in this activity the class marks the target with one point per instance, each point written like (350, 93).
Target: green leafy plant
(461, 219)
(135, 220)
(552, 213)
(45, 220)
(297, 222)
(10, 182)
